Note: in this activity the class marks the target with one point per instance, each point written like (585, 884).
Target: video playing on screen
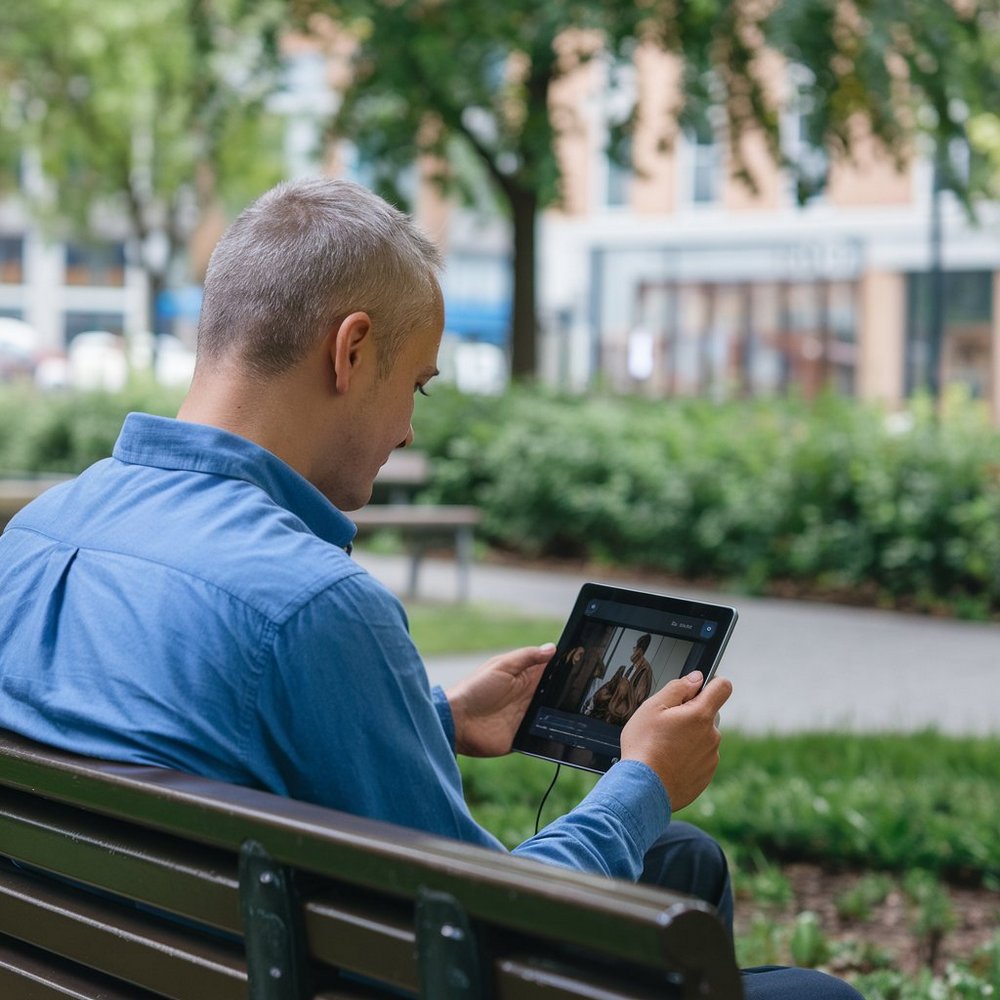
(617, 657)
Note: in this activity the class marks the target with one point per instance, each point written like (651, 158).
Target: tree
(147, 114)
(429, 74)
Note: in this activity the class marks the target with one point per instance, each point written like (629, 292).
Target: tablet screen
(619, 646)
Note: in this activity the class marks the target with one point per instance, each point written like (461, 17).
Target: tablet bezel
(560, 752)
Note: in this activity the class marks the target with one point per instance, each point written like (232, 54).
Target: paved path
(795, 665)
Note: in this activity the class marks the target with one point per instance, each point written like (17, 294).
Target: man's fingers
(716, 693)
(518, 660)
(684, 689)
(680, 690)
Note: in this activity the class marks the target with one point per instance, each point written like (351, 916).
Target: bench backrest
(211, 891)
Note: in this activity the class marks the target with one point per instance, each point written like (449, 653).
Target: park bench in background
(17, 491)
(201, 890)
(420, 525)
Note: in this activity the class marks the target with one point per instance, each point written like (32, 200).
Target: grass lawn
(471, 628)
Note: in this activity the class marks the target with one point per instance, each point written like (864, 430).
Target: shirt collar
(165, 443)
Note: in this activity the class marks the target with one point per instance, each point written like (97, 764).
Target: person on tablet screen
(616, 701)
(191, 602)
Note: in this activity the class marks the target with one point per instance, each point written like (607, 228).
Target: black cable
(541, 805)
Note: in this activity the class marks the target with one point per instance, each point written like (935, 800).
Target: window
(705, 158)
(799, 143)
(86, 322)
(965, 349)
(617, 106)
(11, 260)
(95, 264)
(619, 175)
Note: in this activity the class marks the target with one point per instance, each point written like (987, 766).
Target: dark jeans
(689, 861)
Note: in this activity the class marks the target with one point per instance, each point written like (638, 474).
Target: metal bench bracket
(449, 955)
(272, 928)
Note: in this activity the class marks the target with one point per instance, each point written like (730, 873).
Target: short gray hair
(302, 257)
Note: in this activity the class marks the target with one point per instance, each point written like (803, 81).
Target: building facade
(676, 278)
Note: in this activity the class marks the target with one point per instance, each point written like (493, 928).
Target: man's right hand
(675, 733)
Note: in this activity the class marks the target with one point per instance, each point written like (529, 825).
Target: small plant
(768, 887)
(858, 902)
(761, 944)
(933, 915)
(861, 956)
(808, 943)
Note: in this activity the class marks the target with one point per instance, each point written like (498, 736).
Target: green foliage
(884, 802)
(65, 433)
(153, 111)
(966, 980)
(878, 802)
(762, 944)
(868, 892)
(807, 943)
(767, 885)
(831, 496)
(933, 915)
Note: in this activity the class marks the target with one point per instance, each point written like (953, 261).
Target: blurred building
(665, 277)
(64, 288)
(674, 278)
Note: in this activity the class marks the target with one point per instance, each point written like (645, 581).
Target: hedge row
(66, 432)
(831, 497)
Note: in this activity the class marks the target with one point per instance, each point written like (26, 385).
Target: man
(616, 701)
(191, 602)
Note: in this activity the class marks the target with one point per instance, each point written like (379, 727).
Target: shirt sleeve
(443, 708)
(347, 719)
(612, 829)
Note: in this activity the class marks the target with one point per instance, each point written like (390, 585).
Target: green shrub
(807, 943)
(858, 902)
(830, 496)
(66, 432)
(874, 802)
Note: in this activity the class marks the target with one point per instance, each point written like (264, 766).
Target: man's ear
(351, 341)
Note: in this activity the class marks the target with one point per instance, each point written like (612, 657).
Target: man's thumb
(680, 690)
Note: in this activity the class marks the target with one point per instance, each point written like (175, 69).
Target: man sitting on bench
(191, 601)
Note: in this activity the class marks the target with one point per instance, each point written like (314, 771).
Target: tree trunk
(524, 319)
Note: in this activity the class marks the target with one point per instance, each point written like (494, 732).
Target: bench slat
(192, 881)
(119, 941)
(425, 517)
(369, 937)
(532, 979)
(27, 973)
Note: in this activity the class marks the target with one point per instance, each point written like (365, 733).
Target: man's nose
(408, 440)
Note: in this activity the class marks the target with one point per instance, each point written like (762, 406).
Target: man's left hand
(488, 706)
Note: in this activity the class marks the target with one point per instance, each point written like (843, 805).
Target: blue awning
(483, 321)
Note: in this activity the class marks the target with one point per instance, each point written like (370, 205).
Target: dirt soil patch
(891, 927)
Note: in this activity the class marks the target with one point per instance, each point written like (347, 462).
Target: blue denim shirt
(191, 603)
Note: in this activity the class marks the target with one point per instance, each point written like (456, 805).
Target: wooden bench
(200, 890)
(17, 492)
(420, 525)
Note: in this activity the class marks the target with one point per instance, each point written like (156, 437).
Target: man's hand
(488, 706)
(675, 733)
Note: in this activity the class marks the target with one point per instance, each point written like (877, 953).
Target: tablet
(618, 647)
